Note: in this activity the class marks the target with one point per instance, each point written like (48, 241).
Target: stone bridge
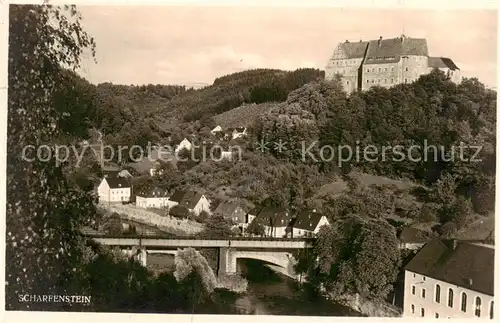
(275, 252)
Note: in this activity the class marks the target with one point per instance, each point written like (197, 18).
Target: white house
(184, 144)
(239, 132)
(216, 130)
(307, 224)
(450, 279)
(114, 189)
(194, 201)
(154, 198)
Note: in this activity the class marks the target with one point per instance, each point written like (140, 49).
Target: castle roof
(354, 50)
(442, 62)
(391, 50)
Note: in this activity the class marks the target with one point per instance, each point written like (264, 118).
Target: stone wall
(150, 218)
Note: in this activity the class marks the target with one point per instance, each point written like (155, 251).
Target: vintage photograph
(251, 160)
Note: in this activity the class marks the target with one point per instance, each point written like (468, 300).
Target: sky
(187, 44)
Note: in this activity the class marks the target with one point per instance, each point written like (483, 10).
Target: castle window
(367, 70)
(423, 293)
(373, 81)
(438, 294)
(392, 81)
(463, 305)
(412, 309)
(385, 81)
(406, 69)
(491, 310)
(406, 80)
(477, 311)
(385, 69)
(392, 69)
(413, 290)
(379, 69)
(422, 312)
(450, 297)
(378, 81)
(347, 82)
(367, 81)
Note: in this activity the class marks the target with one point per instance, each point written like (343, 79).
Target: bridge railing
(151, 235)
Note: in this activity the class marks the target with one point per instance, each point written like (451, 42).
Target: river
(268, 293)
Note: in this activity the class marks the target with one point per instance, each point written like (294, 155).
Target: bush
(428, 214)
(448, 229)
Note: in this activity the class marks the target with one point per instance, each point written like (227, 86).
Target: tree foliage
(355, 255)
(43, 211)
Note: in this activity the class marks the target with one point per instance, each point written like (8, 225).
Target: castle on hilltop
(385, 62)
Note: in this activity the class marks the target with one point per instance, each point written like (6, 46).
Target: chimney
(314, 210)
(470, 281)
(346, 41)
(380, 41)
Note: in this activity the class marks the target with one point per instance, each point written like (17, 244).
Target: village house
(184, 144)
(152, 198)
(239, 132)
(306, 224)
(413, 238)
(232, 210)
(450, 279)
(385, 62)
(114, 189)
(216, 130)
(195, 202)
(275, 220)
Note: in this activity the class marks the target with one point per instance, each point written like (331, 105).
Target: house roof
(307, 220)
(188, 199)
(273, 216)
(390, 50)
(354, 49)
(227, 207)
(442, 62)
(414, 235)
(467, 265)
(153, 192)
(117, 182)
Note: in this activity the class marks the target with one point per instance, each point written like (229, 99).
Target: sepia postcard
(215, 161)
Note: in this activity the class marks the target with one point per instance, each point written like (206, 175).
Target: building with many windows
(385, 62)
(450, 279)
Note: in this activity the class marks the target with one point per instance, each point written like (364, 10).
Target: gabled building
(194, 201)
(307, 224)
(152, 198)
(450, 279)
(446, 65)
(232, 210)
(274, 219)
(216, 130)
(239, 132)
(183, 145)
(114, 189)
(384, 62)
